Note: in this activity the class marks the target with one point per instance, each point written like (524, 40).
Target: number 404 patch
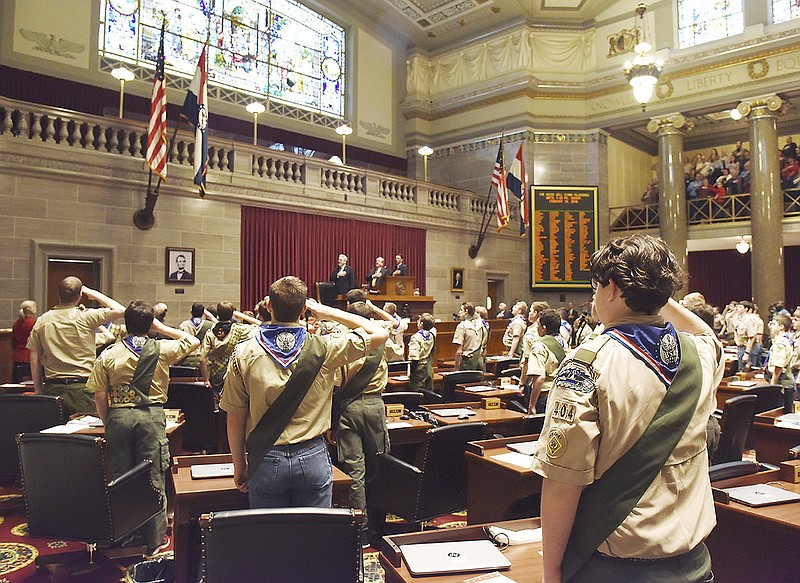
(564, 411)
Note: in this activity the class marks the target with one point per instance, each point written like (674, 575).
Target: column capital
(665, 122)
(762, 103)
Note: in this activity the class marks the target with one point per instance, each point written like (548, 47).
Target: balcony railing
(728, 209)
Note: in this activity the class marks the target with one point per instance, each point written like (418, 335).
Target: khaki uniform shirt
(395, 347)
(543, 363)
(218, 351)
(469, 334)
(116, 365)
(255, 380)
(65, 337)
(531, 334)
(419, 348)
(376, 385)
(781, 353)
(600, 422)
(199, 332)
(516, 327)
(744, 328)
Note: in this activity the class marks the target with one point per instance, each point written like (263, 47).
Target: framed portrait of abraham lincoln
(179, 265)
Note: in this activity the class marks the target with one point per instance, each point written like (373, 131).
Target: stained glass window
(702, 21)
(785, 10)
(274, 48)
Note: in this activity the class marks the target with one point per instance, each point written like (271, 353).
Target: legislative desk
(499, 490)
(399, 382)
(195, 497)
(501, 421)
(756, 544)
(470, 392)
(730, 387)
(16, 388)
(773, 443)
(174, 436)
(526, 559)
(407, 431)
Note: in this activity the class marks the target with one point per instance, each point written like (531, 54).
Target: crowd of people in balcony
(717, 176)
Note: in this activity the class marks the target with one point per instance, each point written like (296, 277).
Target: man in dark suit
(400, 268)
(181, 274)
(343, 276)
(375, 278)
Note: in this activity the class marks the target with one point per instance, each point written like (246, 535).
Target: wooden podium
(397, 285)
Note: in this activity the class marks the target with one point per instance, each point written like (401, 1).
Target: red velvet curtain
(277, 243)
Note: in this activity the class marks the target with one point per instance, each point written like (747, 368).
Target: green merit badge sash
(554, 346)
(137, 393)
(278, 416)
(356, 386)
(606, 503)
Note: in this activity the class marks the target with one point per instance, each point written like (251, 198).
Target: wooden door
(87, 270)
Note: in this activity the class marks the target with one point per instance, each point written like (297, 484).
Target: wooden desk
(526, 560)
(494, 487)
(497, 420)
(756, 544)
(399, 382)
(493, 361)
(174, 435)
(195, 497)
(16, 388)
(773, 443)
(725, 390)
(505, 393)
(413, 435)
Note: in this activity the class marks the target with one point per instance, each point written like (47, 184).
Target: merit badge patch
(556, 443)
(576, 376)
(563, 411)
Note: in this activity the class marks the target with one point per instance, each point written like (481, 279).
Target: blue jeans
(293, 475)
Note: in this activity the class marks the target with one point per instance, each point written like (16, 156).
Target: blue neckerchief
(282, 343)
(657, 347)
(426, 334)
(134, 344)
(197, 322)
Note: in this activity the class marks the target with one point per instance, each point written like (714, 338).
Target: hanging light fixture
(643, 72)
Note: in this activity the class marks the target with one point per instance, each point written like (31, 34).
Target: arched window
(275, 49)
(702, 21)
(784, 10)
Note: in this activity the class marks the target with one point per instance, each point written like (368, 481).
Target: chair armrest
(141, 467)
(395, 487)
(393, 464)
(431, 397)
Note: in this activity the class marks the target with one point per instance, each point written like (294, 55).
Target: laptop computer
(526, 447)
(453, 557)
(761, 495)
(202, 471)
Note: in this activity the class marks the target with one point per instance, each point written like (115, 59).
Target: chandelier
(642, 73)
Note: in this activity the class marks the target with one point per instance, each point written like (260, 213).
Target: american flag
(157, 128)
(499, 182)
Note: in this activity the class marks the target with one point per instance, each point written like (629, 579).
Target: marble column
(766, 202)
(673, 226)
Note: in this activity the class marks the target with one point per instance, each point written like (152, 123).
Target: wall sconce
(743, 244)
(425, 151)
(122, 74)
(255, 108)
(736, 115)
(344, 130)
(643, 72)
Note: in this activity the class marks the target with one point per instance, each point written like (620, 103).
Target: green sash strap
(356, 386)
(606, 503)
(554, 346)
(278, 416)
(145, 369)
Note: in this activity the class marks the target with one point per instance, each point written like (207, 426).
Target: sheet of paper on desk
(452, 412)
(480, 389)
(791, 420)
(495, 577)
(398, 425)
(74, 428)
(172, 424)
(86, 421)
(402, 377)
(515, 459)
(743, 384)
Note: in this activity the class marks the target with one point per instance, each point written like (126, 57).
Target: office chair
(503, 365)
(199, 412)
(411, 400)
(514, 371)
(24, 414)
(179, 371)
(768, 397)
(326, 293)
(735, 425)
(312, 545)
(449, 382)
(435, 485)
(70, 495)
(399, 366)
(735, 469)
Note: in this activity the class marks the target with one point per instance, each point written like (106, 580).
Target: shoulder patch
(556, 443)
(564, 411)
(577, 376)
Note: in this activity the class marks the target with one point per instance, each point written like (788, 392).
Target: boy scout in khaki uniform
(627, 413)
(468, 336)
(63, 343)
(421, 349)
(130, 381)
(512, 337)
(544, 357)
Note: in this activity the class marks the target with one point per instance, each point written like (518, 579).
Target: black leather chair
(511, 372)
(70, 495)
(449, 382)
(199, 408)
(505, 364)
(326, 293)
(179, 371)
(411, 400)
(312, 545)
(735, 425)
(435, 485)
(399, 366)
(22, 414)
(769, 397)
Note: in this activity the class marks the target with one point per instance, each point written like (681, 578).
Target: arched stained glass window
(702, 21)
(278, 49)
(785, 10)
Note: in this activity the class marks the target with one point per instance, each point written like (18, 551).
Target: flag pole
(474, 248)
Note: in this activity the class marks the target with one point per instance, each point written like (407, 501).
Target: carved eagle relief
(374, 129)
(47, 43)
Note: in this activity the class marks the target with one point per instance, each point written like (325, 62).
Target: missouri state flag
(516, 184)
(195, 110)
